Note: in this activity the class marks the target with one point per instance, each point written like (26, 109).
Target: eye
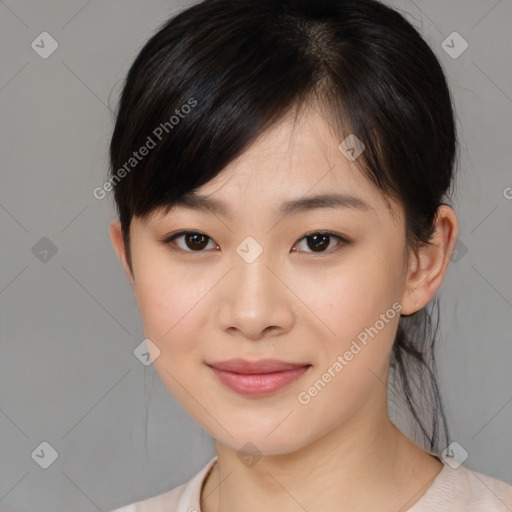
(193, 241)
(320, 241)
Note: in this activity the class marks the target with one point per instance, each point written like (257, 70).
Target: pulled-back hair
(217, 75)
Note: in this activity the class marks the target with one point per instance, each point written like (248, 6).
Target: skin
(295, 305)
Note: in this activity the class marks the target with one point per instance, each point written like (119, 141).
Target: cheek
(359, 304)
(351, 297)
(172, 314)
(169, 301)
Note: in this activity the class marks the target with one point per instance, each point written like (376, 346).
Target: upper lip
(250, 367)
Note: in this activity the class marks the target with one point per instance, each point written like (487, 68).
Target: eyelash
(342, 241)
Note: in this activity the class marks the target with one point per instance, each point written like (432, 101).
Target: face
(319, 287)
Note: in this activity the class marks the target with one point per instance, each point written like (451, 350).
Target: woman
(281, 171)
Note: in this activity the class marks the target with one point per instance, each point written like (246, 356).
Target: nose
(255, 302)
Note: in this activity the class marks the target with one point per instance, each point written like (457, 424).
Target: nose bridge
(251, 271)
(254, 300)
(250, 250)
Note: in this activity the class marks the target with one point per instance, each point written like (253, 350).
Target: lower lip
(258, 384)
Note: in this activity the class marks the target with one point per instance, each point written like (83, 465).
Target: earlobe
(428, 266)
(116, 236)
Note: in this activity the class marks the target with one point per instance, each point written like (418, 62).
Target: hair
(218, 74)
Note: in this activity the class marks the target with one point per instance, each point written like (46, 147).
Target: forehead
(294, 165)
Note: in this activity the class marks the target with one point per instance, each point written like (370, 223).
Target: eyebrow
(194, 201)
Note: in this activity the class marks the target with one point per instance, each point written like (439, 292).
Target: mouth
(257, 378)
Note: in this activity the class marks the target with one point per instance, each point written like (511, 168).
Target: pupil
(196, 241)
(319, 242)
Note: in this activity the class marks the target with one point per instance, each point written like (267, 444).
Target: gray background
(69, 322)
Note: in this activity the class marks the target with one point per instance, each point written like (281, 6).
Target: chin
(257, 441)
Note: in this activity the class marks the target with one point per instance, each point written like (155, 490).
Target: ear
(427, 268)
(116, 236)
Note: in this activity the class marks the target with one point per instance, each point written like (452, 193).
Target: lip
(257, 378)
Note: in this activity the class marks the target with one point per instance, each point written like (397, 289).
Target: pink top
(453, 490)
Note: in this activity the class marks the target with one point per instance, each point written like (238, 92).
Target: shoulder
(464, 490)
(167, 501)
(183, 498)
(486, 492)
